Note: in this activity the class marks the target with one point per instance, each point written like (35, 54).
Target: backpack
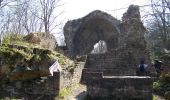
(141, 67)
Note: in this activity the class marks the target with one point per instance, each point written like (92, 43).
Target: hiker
(142, 67)
(157, 65)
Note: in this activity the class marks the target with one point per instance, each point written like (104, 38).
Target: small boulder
(32, 38)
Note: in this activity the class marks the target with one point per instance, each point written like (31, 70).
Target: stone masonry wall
(64, 79)
(99, 25)
(47, 86)
(68, 78)
(119, 87)
(113, 74)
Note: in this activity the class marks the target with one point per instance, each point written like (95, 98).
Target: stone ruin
(82, 34)
(111, 74)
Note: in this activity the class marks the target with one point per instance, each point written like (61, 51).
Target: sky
(74, 9)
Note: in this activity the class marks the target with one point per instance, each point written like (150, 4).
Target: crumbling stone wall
(49, 86)
(132, 35)
(118, 87)
(113, 74)
(82, 34)
(68, 78)
(126, 36)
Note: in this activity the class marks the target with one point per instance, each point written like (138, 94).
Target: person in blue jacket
(142, 66)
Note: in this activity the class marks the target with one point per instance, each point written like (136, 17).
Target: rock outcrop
(20, 63)
(31, 71)
(43, 39)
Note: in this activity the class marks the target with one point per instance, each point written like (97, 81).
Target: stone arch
(91, 32)
(84, 33)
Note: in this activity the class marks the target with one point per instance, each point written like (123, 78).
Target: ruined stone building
(128, 34)
(111, 74)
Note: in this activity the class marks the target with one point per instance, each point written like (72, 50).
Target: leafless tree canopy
(26, 16)
(159, 25)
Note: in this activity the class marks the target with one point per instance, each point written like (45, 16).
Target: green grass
(66, 91)
(30, 45)
(155, 97)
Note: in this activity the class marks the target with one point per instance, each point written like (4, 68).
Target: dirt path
(156, 97)
(77, 93)
(80, 92)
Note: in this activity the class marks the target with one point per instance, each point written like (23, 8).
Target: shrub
(163, 84)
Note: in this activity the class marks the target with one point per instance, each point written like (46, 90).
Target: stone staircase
(111, 76)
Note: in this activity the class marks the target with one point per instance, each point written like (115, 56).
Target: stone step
(105, 60)
(110, 66)
(102, 56)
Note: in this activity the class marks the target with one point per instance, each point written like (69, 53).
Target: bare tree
(4, 3)
(30, 21)
(26, 16)
(159, 26)
(160, 9)
(0, 2)
(48, 7)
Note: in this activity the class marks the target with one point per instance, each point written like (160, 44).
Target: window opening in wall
(99, 47)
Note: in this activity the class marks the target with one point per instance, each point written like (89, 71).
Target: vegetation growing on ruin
(163, 84)
(15, 52)
(67, 91)
(15, 39)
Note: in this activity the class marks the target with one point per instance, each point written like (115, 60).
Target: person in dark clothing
(142, 68)
(157, 65)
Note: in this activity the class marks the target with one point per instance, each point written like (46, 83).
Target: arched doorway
(100, 47)
(82, 34)
(93, 31)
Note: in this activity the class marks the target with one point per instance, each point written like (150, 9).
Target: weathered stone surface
(19, 63)
(113, 74)
(32, 38)
(33, 89)
(118, 87)
(126, 36)
(132, 35)
(82, 34)
(43, 39)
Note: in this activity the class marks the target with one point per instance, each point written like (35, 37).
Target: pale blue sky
(78, 8)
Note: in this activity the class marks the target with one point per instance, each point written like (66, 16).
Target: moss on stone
(19, 53)
(10, 38)
(29, 45)
(26, 75)
(63, 60)
(36, 58)
(13, 54)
